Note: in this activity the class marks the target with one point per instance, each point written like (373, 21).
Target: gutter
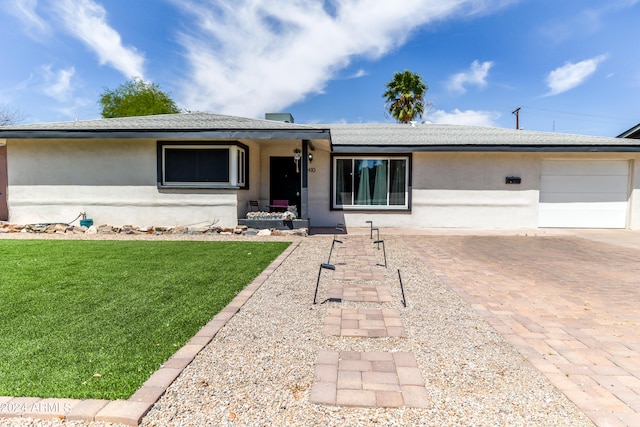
(187, 133)
(486, 148)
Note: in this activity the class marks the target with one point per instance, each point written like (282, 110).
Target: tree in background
(405, 96)
(136, 98)
(10, 117)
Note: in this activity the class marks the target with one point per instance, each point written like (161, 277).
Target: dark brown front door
(284, 183)
(4, 208)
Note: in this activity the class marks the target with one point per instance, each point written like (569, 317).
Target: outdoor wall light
(310, 157)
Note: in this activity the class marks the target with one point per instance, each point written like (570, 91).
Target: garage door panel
(583, 197)
(581, 167)
(583, 215)
(582, 183)
(583, 194)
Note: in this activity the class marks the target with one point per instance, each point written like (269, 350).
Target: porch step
(278, 224)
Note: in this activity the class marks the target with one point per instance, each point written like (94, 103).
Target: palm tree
(405, 96)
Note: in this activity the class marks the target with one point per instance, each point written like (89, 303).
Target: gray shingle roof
(163, 125)
(366, 137)
(427, 137)
(182, 121)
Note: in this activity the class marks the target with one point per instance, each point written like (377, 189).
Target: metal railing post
(322, 266)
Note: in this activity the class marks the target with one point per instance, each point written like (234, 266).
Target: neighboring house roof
(633, 133)
(438, 137)
(185, 125)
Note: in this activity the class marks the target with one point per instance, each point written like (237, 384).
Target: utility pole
(517, 113)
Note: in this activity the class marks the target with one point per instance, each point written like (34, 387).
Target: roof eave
(169, 133)
(343, 148)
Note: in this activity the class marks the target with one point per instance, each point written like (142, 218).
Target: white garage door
(584, 194)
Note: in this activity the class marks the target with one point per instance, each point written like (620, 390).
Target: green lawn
(93, 319)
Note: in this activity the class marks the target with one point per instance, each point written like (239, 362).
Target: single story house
(200, 168)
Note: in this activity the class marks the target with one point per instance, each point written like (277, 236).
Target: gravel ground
(259, 369)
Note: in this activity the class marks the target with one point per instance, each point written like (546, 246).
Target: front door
(284, 183)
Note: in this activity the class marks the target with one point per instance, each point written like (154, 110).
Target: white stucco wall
(468, 190)
(465, 190)
(253, 190)
(113, 181)
(633, 218)
(319, 190)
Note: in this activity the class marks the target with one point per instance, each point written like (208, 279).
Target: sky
(569, 65)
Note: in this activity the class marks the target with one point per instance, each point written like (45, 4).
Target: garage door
(584, 194)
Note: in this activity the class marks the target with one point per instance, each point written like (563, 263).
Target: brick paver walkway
(350, 378)
(363, 322)
(359, 292)
(367, 379)
(569, 305)
(363, 273)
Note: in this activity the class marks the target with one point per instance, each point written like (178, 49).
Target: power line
(570, 113)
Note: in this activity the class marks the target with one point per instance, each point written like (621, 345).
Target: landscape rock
(132, 230)
(105, 229)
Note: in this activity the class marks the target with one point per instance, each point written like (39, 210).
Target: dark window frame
(237, 164)
(334, 206)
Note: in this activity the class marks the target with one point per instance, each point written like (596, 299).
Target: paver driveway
(570, 305)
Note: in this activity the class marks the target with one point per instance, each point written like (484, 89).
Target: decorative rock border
(132, 410)
(60, 228)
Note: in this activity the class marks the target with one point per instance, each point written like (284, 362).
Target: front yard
(93, 319)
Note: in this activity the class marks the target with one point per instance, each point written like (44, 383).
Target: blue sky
(570, 64)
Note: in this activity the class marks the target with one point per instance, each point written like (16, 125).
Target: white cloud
(466, 117)
(358, 74)
(572, 75)
(78, 106)
(25, 10)
(60, 86)
(476, 75)
(87, 20)
(588, 21)
(247, 56)
(58, 83)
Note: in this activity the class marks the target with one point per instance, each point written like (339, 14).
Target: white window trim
(241, 166)
(386, 207)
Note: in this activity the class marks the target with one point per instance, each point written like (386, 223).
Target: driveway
(567, 301)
